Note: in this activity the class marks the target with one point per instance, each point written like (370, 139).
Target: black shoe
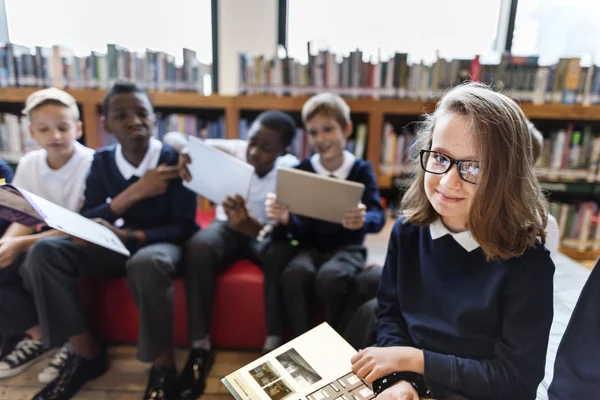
(26, 353)
(9, 344)
(192, 381)
(75, 373)
(162, 384)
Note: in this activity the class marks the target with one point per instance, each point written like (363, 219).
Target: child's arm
(375, 217)
(518, 363)
(18, 239)
(95, 194)
(235, 147)
(391, 327)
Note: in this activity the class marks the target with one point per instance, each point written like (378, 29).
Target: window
(84, 26)
(457, 28)
(557, 28)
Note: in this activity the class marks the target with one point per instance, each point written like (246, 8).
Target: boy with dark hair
(136, 182)
(233, 236)
(329, 255)
(56, 172)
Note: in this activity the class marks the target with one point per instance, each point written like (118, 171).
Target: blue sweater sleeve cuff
(439, 369)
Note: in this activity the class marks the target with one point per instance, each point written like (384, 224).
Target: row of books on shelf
(578, 225)
(22, 66)
(349, 75)
(15, 139)
(571, 154)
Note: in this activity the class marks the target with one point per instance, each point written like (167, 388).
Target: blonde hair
(537, 142)
(328, 104)
(508, 211)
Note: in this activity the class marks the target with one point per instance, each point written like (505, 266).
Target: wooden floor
(127, 377)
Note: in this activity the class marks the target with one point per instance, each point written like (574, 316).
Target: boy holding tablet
(233, 236)
(330, 254)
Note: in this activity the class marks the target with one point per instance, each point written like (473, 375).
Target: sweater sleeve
(183, 216)
(391, 326)
(517, 366)
(95, 205)
(375, 218)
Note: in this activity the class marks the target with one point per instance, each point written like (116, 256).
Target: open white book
(19, 205)
(314, 366)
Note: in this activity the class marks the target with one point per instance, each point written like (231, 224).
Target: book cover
(314, 366)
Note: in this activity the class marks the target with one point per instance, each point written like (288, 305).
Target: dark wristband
(130, 240)
(416, 380)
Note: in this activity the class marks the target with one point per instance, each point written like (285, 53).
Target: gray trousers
(17, 309)
(51, 271)
(329, 276)
(210, 252)
(361, 331)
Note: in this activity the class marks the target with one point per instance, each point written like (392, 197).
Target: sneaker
(76, 372)
(58, 362)
(25, 354)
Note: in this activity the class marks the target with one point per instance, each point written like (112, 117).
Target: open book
(314, 366)
(19, 205)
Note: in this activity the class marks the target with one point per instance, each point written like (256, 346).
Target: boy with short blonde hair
(56, 172)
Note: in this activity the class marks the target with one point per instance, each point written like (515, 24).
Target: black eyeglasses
(439, 163)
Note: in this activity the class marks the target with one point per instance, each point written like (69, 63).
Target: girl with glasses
(465, 299)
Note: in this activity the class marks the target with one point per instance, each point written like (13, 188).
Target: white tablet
(316, 196)
(216, 174)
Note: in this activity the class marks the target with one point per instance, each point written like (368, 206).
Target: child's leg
(209, 252)
(335, 279)
(276, 255)
(364, 289)
(150, 273)
(361, 331)
(51, 271)
(297, 282)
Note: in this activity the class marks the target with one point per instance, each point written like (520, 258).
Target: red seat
(238, 313)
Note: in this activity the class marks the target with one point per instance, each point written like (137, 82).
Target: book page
(15, 208)
(75, 224)
(314, 366)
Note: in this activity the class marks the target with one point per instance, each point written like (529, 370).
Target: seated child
(361, 327)
(136, 182)
(56, 172)
(6, 176)
(329, 254)
(233, 236)
(576, 369)
(466, 295)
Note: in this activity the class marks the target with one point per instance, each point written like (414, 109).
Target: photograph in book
(298, 368)
(314, 366)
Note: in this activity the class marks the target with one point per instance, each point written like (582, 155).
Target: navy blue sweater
(7, 174)
(168, 218)
(327, 236)
(483, 326)
(577, 365)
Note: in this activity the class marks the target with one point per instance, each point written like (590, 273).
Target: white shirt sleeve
(552, 235)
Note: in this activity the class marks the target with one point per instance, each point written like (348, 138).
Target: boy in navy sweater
(466, 295)
(577, 365)
(329, 255)
(136, 185)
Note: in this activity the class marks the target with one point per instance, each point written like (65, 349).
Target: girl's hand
(355, 218)
(374, 363)
(276, 212)
(400, 391)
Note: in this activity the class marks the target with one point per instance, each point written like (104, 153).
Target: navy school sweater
(6, 173)
(167, 218)
(483, 326)
(577, 365)
(327, 236)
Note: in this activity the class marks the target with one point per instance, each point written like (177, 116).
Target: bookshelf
(376, 111)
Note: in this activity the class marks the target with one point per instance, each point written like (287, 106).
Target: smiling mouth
(448, 198)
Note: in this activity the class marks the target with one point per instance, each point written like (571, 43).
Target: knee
(146, 267)
(294, 278)
(332, 282)
(367, 282)
(37, 255)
